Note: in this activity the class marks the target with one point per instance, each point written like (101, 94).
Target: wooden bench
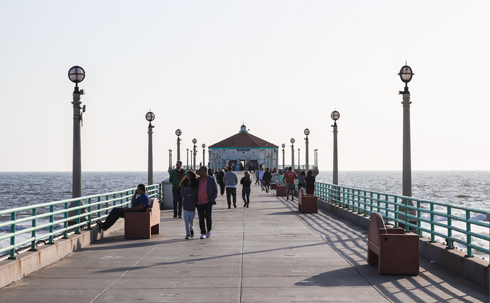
(280, 190)
(141, 225)
(274, 185)
(395, 252)
(307, 203)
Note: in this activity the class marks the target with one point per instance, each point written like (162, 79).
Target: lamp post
(76, 74)
(194, 141)
(150, 116)
(178, 132)
(203, 154)
(169, 161)
(283, 158)
(292, 152)
(307, 132)
(187, 158)
(299, 165)
(335, 116)
(315, 158)
(406, 75)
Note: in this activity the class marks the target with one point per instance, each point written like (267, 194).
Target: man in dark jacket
(206, 197)
(267, 179)
(175, 177)
(221, 183)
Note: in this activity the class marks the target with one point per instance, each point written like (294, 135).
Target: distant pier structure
(246, 151)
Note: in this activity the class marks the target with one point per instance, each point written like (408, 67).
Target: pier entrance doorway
(242, 164)
(232, 163)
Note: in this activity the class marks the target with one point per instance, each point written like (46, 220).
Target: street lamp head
(283, 145)
(76, 74)
(150, 116)
(307, 131)
(178, 132)
(194, 141)
(335, 115)
(406, 74)
(203, 145)
(292, 140)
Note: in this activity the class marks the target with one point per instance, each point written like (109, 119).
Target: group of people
(199, 191)
(304, 181)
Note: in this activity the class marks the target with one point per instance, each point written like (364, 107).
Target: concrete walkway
(266, 253)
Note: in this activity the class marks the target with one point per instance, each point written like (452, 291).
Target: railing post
(89, 223)
(98, 206)
(395, 209)
(407, 228)
(468, 237)
(387, 209)
(12, 239)
(51, 228)
(65, 232)
(432, 236)
(78, 217)
(33, 233)
(449, 229)
(419, 232)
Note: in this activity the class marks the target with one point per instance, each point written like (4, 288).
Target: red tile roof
(243, 139)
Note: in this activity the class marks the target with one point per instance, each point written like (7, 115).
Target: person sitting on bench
(139, 204)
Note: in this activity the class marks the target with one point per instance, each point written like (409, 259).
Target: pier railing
(435, 220)
(48, 221)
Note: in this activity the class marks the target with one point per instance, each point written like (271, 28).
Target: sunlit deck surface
(266, 253)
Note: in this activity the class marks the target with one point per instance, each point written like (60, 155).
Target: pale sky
(279, 66)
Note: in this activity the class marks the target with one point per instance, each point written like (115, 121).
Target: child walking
(189, 195)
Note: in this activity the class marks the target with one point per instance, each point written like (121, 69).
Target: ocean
(462, 188)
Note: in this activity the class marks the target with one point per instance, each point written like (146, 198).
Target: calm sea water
(464, 188)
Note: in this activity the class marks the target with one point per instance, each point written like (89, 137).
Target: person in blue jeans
(138, 204)
(176, 177)
(189, 196)
(246, 181)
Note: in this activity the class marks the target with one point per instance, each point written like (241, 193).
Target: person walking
(257, 173)
(266, 178)
(189, 195)
(230, 179)
(221, 182)
(302, 181)
(261, 178)
(207, 193)
(176, 177)
(310, 183)
(246, 181)
(289, 177)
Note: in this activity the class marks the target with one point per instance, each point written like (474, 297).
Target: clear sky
(279, 66)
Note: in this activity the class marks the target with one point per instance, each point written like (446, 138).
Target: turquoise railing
(60, 218)
(421, 216)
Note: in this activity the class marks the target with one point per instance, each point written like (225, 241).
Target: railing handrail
(397, 209)
(81, 215)
(7, 211)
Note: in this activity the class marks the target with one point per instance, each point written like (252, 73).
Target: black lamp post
(76, 74)
(187, 158)
(194, 141)
(335, 116)
(307, 132)
(178, 132)
(292, 152)
(203, 154)
(406, 75)
(283, 159)
(150, 116)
